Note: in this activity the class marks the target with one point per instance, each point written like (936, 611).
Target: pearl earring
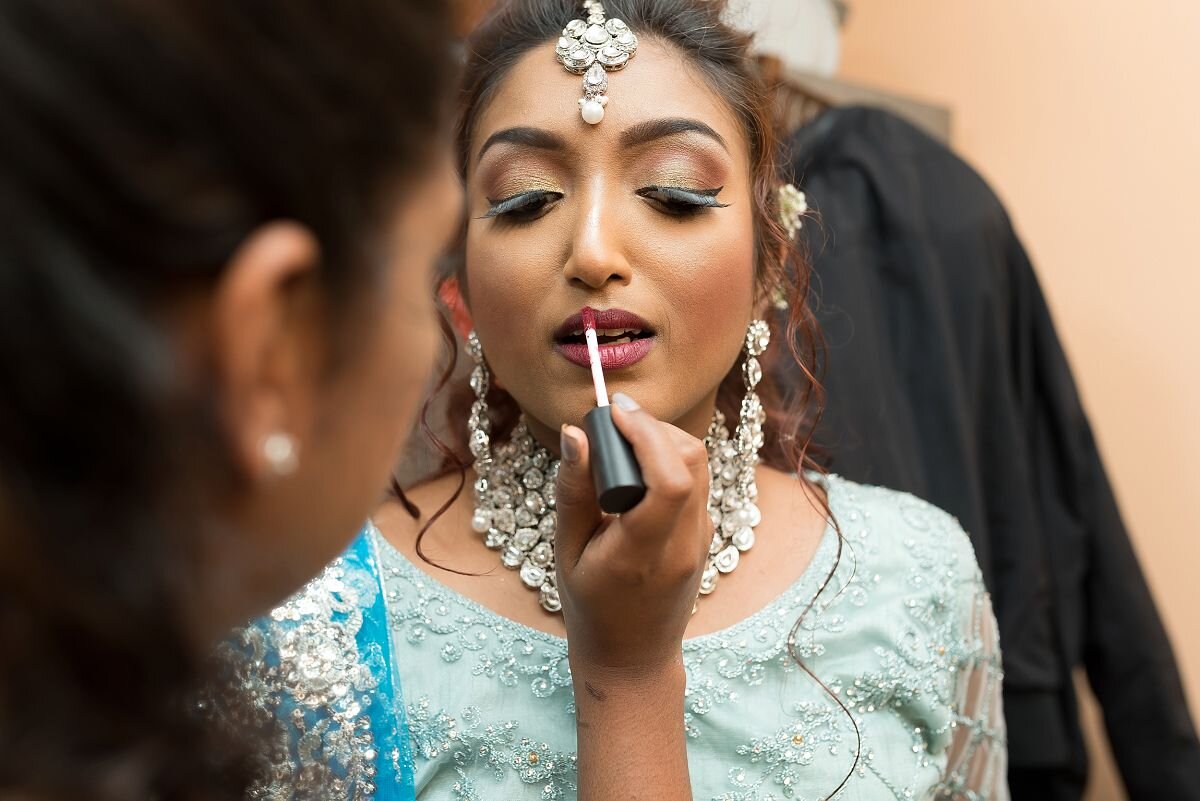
(281, 453)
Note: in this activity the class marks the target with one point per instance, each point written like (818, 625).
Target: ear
(450, 293)
(266, 326)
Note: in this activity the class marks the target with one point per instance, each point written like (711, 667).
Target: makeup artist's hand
(628, 583)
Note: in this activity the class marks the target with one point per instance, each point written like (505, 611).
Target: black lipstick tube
(615, 470)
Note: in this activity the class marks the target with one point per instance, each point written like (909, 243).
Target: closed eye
(523, 207)
(680, 202)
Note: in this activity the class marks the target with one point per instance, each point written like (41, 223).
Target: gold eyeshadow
(510, 180)
(679, 180)
(678, 164)
(687, 168)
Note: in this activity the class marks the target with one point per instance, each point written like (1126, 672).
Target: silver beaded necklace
(514, 491)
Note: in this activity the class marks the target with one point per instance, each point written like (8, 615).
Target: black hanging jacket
(945, 378)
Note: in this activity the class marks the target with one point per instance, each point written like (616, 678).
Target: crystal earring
(281, 453)
(733, 492)
(749, 430)
(479, 425)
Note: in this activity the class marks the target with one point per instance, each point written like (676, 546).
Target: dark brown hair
(140, 142)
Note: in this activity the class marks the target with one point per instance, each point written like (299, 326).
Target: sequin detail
(302, 666)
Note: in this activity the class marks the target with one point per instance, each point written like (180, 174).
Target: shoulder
(443, 507)
(913, 559)
(902, 529)
(348, 583)
(395, 516)
(327, 608)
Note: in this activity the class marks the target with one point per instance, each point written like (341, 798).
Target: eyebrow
(651, 130)
(522, 135)
(639, 134)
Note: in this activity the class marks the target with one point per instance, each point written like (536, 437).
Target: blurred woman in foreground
(217, 227)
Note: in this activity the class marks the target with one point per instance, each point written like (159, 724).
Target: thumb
(575, 499)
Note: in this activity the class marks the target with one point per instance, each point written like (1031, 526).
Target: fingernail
(625, 402)
(568, 446)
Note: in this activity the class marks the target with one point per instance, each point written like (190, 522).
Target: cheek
(497, 280)
(711, 281)
(404, 348)
(505, 270)
(368, 408)
(510, 285)
(710, 289)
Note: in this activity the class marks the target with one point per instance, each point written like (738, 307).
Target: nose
(597, 258)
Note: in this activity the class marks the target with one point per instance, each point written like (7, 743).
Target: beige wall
(1084, 115)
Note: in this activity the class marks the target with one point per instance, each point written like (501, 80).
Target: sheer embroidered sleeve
(977, 764)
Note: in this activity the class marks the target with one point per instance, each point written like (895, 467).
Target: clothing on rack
(945, 378)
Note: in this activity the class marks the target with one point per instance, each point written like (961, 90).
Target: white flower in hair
(793, 205)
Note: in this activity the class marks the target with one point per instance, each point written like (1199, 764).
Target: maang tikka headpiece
(589, 48)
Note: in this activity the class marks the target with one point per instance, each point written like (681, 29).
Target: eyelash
(680, 202)
(522, 208)
(675, 201)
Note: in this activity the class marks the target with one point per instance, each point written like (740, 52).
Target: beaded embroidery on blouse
(907, 686)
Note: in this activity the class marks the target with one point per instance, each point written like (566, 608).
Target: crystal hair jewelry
(591, 46)
(732, 465)
(514, 492)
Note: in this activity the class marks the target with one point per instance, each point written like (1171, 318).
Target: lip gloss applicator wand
(615, 471)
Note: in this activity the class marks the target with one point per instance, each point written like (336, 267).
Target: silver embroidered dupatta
(316, 673)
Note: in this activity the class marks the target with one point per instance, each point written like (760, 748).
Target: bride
(751, 629)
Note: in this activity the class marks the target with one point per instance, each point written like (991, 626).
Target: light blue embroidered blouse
(903, 636)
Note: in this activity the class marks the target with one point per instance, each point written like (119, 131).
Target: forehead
(659, 82)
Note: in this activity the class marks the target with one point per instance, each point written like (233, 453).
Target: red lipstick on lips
(624, 338)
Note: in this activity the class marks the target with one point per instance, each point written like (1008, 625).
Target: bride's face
(648, 212)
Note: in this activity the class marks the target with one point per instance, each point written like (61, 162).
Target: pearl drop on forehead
(592, 48)
(592, 111)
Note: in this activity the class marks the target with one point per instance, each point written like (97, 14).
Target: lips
(624, 339)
